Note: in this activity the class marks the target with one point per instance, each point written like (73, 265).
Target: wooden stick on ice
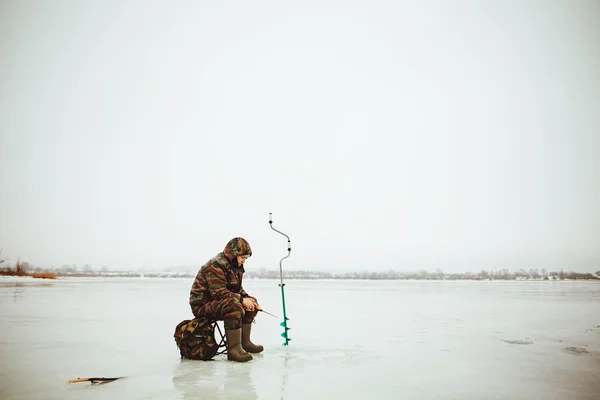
(94, 380)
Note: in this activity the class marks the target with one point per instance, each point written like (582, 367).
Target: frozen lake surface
(350, 340)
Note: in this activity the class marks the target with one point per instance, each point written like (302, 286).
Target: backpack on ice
(195, 339)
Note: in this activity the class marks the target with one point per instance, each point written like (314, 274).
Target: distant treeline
(532, 274)
(23, 268)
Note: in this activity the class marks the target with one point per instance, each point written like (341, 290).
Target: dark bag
(195, 339)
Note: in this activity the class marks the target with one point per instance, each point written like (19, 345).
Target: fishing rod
(281, 284)
(266, 312)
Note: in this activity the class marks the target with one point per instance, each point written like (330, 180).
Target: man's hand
(248, 304)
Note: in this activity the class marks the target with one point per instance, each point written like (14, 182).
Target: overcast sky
(380, 134)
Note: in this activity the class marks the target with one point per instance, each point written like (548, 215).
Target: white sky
(381, 135)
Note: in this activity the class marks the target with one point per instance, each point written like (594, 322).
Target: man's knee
(228, 308)
(233, 313)
(249, 316)
(233, 305)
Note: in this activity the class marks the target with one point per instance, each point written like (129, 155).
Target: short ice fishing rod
(281, 285)
(266, 312)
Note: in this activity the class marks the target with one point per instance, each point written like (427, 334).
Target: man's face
(241, 260)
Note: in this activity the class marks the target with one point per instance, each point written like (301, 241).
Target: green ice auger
(281, 285)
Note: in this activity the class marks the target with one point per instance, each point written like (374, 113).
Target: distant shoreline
(25, 269)
(313, 275)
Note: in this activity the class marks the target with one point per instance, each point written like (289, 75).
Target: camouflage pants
(229, 310)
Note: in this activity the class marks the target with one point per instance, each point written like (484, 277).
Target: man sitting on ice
(217, 294)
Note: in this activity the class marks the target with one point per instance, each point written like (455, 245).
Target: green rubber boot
(234, 347)
(246, 343)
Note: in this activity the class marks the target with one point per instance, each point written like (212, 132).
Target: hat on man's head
(237, 247)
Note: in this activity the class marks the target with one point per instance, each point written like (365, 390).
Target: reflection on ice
(213, 380)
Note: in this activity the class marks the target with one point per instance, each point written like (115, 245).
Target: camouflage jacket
(221, 277)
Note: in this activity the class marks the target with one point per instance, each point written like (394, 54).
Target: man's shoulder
(217, 262)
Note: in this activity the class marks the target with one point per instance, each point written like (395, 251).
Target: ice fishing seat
(221, 339)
